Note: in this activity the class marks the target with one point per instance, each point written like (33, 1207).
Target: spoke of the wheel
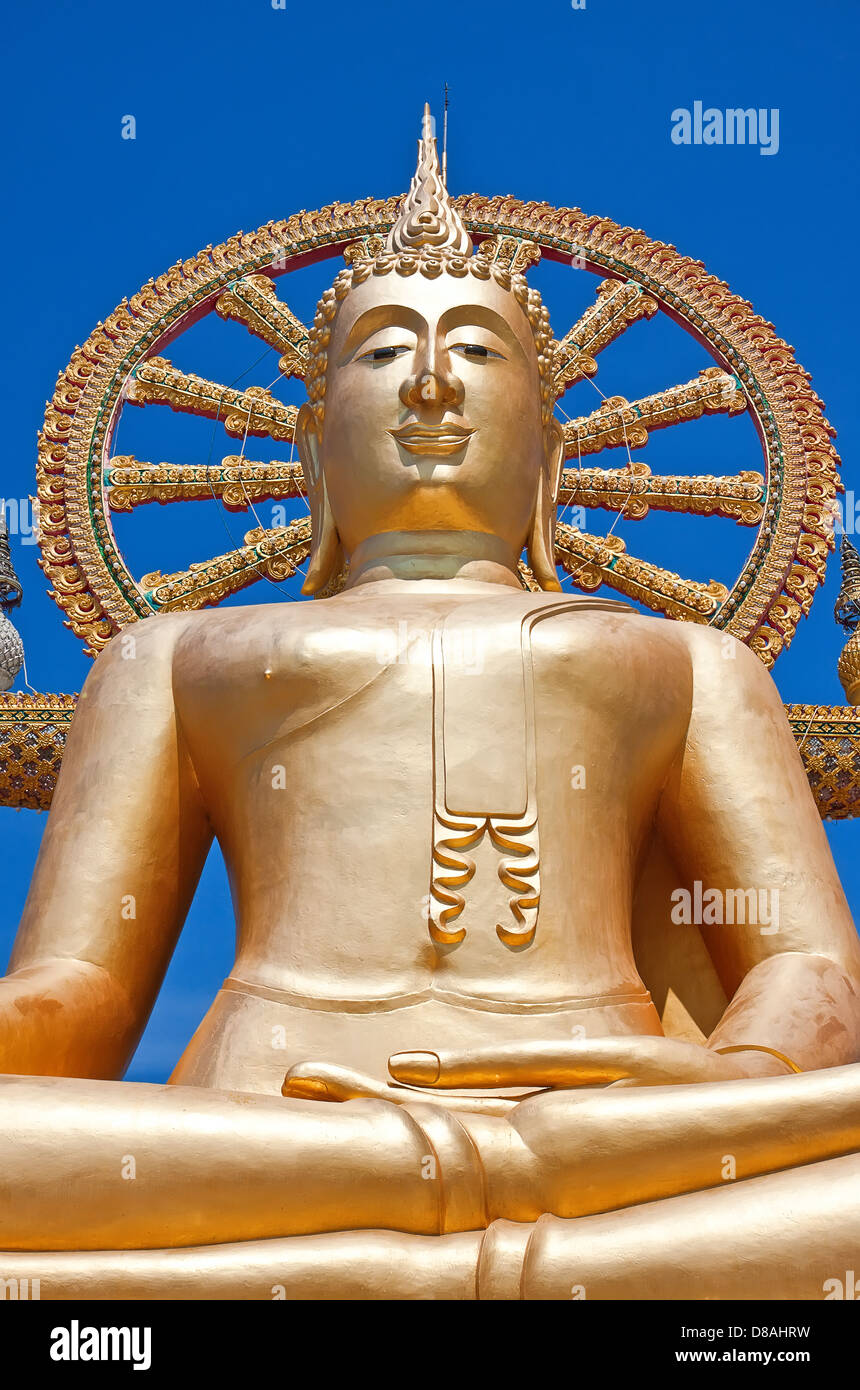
(618, 423)
(254, 411)
(267, 554)
(129, 482)
(254, 302)
(595, 560)
(618, 304)
(635, 490)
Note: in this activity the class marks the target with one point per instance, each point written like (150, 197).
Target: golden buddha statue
(455, 815)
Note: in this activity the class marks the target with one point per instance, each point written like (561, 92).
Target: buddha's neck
(439, 555)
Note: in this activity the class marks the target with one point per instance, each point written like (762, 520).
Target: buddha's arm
(739, 815)
(125, 842)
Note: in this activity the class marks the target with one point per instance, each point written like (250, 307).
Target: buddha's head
(430, 399)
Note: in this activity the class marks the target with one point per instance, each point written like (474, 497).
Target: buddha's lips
(432, 439)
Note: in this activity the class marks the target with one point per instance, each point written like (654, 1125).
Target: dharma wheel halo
(751, 370)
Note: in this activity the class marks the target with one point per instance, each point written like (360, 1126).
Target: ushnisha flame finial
(427, 217)
(847, 610)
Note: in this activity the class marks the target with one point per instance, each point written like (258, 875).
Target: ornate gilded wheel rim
(750, 371)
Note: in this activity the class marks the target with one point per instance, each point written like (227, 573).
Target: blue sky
(245, 112)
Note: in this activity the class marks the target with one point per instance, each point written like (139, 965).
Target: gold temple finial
(847, 614)
(847, 610)
(427, 217)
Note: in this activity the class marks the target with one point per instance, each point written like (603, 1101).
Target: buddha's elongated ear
(326, 551)
(541, 543)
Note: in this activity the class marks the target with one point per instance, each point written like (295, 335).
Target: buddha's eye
(383, 354)
(476, 351)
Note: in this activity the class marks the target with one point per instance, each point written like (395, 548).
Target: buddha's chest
(512, 727)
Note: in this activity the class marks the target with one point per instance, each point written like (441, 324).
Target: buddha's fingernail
(419, 1068)
(305, 1088)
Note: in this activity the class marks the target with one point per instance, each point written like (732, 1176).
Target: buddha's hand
(530, 1067)
(328, 1081)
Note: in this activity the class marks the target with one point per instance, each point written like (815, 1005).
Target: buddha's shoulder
(230, 633)
(694, 638)
(671, 647)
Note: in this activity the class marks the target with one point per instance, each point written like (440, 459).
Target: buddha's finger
(326, 1081)
(519, 1064)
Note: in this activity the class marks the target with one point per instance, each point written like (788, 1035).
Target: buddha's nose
(432, 386)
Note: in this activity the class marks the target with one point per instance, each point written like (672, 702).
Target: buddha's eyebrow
(380, 316)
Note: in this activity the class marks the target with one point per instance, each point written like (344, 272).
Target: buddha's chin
(437, 505)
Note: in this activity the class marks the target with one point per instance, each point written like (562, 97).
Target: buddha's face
(432, 411)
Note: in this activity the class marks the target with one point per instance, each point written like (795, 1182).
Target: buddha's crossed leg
(740, 1188)
(790, 1235)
